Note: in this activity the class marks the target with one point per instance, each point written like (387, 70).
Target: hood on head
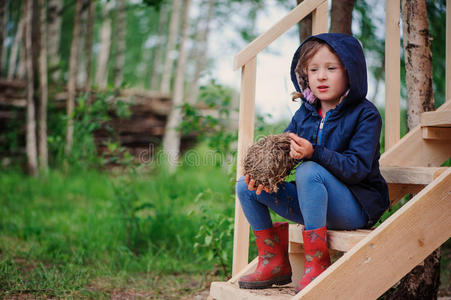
(351, 55)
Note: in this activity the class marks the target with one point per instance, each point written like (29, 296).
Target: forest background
(83, 213)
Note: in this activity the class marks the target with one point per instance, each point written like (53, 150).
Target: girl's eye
(332, 68)
(313, 69)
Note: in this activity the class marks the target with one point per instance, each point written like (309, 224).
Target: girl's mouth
(322, 88)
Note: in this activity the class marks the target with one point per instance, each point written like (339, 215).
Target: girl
(338, 184)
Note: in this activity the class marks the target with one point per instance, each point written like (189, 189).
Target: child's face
(327, 76)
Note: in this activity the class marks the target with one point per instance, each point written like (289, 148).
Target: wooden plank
(391, 250)
(436, 118)
(261, 42)
(436, 133)
(409, 175)
(320, 19)
(392, 73)
(413, 151)
(448, 51)
(397, 191)
(227, 291)
(245, 140)
(340, 240)
(248, 269)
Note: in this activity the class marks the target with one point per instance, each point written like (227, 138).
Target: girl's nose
(322, 74)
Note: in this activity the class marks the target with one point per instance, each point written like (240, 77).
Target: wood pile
(140, 134)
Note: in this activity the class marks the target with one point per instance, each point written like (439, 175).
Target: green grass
(61, 232)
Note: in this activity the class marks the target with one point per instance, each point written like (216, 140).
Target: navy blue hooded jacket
(348, 144)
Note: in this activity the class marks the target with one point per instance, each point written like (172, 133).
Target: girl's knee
(308, 170)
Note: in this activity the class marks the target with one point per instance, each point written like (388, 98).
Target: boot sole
(282, 280)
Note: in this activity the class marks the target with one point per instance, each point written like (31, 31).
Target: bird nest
(268, 161)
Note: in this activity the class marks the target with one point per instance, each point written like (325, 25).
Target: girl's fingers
(266, 189)
(259, 189)
(246, 178)
(295, 138)
(251, 185)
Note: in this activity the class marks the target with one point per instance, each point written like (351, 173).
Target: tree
(43, 152)
(121, 24)
(32, 156)
(3, 10)
(88, 44)
(156, 68)
(105, 45)
(171, 139)
(305, 25)
(200, 53)
(17, 44)
(341, 16)
(424, 280)
(71, 86)
(173, 33)
(55, 8)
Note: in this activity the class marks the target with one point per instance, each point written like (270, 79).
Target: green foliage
(214, 129)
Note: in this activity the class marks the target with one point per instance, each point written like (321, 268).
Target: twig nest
(268, 161)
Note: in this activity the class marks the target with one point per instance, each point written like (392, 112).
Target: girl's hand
(300, 147)
(251, 185)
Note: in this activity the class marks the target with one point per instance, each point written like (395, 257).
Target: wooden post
(392, 73)
(320, 18)
(448, 51)
(245, 140)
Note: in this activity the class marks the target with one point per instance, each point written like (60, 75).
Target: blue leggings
(317, 199)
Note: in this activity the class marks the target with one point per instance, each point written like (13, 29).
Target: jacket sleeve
(354, 164)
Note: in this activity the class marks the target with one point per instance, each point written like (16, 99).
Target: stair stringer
(413, 151)
(391, 250)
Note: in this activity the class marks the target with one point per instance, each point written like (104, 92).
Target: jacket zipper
(321, 126)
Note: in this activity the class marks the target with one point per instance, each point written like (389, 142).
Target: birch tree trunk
(305, 26)
(105, 47)
(81, 59)
(55, 8)
(3, 16)
(18, 42)
(43, 152)
(121, 23)
(72, 78)
(341, 16)
(200, 55)
(31, 149)
(88, 45)
(171, 139)
(173, 33)
(424, 280)
(156, 67)
(418, 60)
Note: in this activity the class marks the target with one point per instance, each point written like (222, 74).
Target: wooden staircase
(371, 261)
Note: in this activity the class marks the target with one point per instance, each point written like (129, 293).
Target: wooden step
(230, 291)
(436, 118)
(340, 240)
(436, 133)
(411, 175)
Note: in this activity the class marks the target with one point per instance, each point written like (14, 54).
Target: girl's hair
(307, 51)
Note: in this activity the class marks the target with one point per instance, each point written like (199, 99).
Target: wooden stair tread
(229, 291)
(411, 175)
(340, 240)
(436, 118)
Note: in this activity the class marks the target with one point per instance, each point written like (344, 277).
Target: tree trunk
(201, 54)
(305, 26)
(121, 23)
(105, 47)
(72, 78)
(156, 67)
(17, 44)
(55, 8)
(43, 152)
(418, 60)
(171, 139)
(424, 280)
(32, 156)
(81, 65)
(3, 16)
(169, 61)
(88, 45)
(341, 16)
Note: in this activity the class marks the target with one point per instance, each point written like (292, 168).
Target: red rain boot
(273, 263)
(317, 257)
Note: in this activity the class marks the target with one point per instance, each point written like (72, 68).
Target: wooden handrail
(261, 42)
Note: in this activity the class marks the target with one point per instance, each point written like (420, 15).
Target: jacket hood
(351, 55)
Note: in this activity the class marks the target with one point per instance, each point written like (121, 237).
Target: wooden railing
(246, 59)
(393, 72)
